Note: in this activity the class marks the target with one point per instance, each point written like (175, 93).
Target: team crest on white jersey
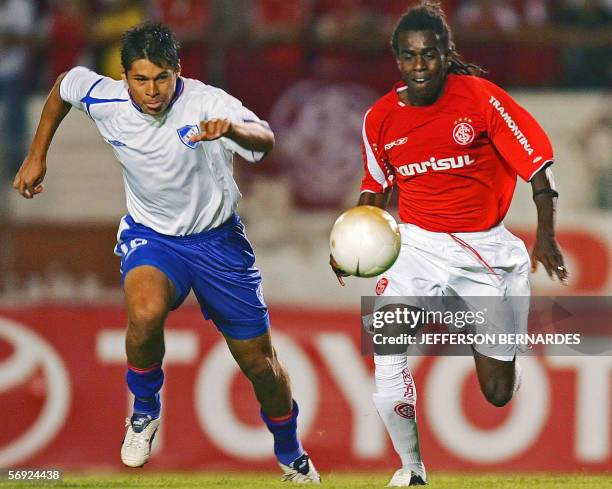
(186, 132)
(463, 133)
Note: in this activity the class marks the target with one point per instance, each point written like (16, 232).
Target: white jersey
(172, 185)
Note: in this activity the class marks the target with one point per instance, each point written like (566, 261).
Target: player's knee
(146, 317)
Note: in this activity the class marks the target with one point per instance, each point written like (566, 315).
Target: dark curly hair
(151, 41)
(429, 16)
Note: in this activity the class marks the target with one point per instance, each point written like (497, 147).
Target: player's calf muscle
(496, 379)
(141, 339)
(264, 371)
(270, 382)
(498, 393)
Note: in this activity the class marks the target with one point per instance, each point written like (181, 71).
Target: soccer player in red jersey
(452, 144)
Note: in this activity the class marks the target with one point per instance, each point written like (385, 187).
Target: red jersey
(454, 162)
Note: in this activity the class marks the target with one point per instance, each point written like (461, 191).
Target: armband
(554, 193)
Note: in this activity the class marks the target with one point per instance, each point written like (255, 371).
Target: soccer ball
(365, 241)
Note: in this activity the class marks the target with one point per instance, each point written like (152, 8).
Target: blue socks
(145, 385)
(287, 447)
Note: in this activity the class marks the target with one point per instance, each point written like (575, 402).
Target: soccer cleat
(300, 471)
(406, 477)
(136, 445)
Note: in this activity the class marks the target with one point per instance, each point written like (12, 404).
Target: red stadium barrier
(63, 400)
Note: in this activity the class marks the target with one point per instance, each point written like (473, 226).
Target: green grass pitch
(147, 480)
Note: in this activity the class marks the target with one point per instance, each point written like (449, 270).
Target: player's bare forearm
(376, 199)
(252, 136)
(28, 181)
(545, 198)
(546, 249)
(54, 111)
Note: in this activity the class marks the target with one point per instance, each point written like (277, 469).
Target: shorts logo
(136, 242)
(463, 133)
(381, 285)
(186, 132)
(405, 410)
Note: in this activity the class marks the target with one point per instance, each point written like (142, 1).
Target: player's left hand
(546, 251)
(213, 129)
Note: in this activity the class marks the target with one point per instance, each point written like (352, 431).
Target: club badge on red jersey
(463, 133)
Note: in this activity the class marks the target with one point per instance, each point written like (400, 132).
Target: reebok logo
(513, 126)
(397, 142)
(435, 164)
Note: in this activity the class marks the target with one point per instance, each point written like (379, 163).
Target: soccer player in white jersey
(452, 144)
(175, 139)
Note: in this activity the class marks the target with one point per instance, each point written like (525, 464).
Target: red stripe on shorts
(475, 253)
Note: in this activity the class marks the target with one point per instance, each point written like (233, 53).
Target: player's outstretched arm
(28, 180)
(546, 249)
(250, 135)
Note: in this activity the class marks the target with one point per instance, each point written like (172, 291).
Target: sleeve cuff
(543, 165)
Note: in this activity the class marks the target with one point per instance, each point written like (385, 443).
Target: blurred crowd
(258, 48)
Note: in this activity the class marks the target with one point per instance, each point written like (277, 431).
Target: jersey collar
(400, 86)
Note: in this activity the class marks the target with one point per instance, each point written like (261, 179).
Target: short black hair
(429, 16)
(152, 41)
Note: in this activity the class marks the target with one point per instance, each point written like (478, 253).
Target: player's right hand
(28, 181)
(213, 129)
(337, 270)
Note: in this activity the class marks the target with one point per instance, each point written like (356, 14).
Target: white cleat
(405, 478)
(136, 446)
(300, 471)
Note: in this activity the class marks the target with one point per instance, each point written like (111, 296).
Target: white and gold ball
(365, 241)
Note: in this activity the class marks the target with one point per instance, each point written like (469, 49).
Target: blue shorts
(219, 265)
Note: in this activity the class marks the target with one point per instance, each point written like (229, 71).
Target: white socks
(395, 402)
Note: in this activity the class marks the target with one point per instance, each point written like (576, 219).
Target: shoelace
(133, 439)
(295, 475)
(288, 477)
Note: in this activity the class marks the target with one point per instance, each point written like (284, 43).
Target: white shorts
(486, 264)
